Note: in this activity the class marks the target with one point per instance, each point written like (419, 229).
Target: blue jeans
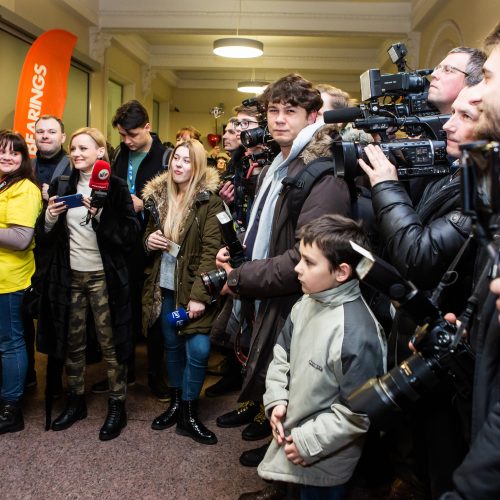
(186, 355)
(322, 492)
(12, 347)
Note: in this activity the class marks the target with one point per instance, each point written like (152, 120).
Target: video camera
(412, 157)
(408, 110)
(441, 351)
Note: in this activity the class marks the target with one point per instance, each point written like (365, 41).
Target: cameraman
(245, 179)
(240, 192)
(478, 477)
(292, 105)
(422, 242)
(461, 67)
(233, 147)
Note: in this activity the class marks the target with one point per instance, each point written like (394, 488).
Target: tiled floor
(140, 464)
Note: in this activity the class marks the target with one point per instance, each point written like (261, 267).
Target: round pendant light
(252, 86)
(238, 48)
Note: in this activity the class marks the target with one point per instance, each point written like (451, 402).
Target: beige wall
(50, 14)
(457, 22)
(194, 109)
(37, 16)
(450, 23)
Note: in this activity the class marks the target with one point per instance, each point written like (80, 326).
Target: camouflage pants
(90, 288)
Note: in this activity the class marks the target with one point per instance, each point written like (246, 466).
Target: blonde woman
(184, 246)
(88, 268)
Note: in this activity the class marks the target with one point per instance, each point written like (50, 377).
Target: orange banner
(43, 83)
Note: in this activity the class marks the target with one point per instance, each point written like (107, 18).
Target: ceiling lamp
(252, 86)
(241, 48)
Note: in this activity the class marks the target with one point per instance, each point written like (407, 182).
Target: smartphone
(72, 200)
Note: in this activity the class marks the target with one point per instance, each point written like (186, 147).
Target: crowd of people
(112, 254)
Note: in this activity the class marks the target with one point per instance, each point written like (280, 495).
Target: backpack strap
(62, 185)
(60, 167)
(301, 185)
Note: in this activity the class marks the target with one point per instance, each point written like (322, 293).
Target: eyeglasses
(243, 124)
(447, 69)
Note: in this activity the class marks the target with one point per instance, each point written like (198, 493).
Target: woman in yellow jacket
(20, 204)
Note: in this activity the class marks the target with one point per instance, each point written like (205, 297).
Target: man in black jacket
(141, 153)
(422, 242)
(140, 158)
(478, 477)
(51, 159)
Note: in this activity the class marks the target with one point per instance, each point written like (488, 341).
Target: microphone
(99, 183)
(344, 115)
(99, 178)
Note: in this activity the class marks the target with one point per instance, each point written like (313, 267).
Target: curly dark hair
(295, 90)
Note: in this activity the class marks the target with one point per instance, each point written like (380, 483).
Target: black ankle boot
(169, 417)
(189, 425)
(116, 420)
(11, 417)
(76, 409)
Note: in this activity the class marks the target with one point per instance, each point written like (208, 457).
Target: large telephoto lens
(383, 398)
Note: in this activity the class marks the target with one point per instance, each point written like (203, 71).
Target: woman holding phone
(20, 204)
(87, 267)
(184, 246)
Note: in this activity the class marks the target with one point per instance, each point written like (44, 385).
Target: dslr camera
(256, 136)
(440, 349)
(215, 280)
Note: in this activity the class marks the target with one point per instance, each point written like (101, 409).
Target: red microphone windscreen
(99, 179)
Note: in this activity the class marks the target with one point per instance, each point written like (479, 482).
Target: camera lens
(214, 281)
(381, 398)
(252, 137)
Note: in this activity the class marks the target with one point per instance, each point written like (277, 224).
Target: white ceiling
(324, 40)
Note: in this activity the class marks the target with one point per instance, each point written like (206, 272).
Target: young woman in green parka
(186, 205)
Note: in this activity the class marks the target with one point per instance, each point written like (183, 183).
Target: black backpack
(303, 182)
(361, 209)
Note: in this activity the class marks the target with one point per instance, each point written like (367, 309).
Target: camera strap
(450, 276)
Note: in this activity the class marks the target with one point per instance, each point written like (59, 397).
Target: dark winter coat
(422, 242)
(117, 231)
(478, 477)
(150, 166)
(273, 280)
(200, 240)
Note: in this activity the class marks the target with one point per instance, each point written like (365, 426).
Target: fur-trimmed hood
(324, 137)
(320, 144)
(156, 189)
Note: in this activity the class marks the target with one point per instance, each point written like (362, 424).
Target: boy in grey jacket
(331, 343)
